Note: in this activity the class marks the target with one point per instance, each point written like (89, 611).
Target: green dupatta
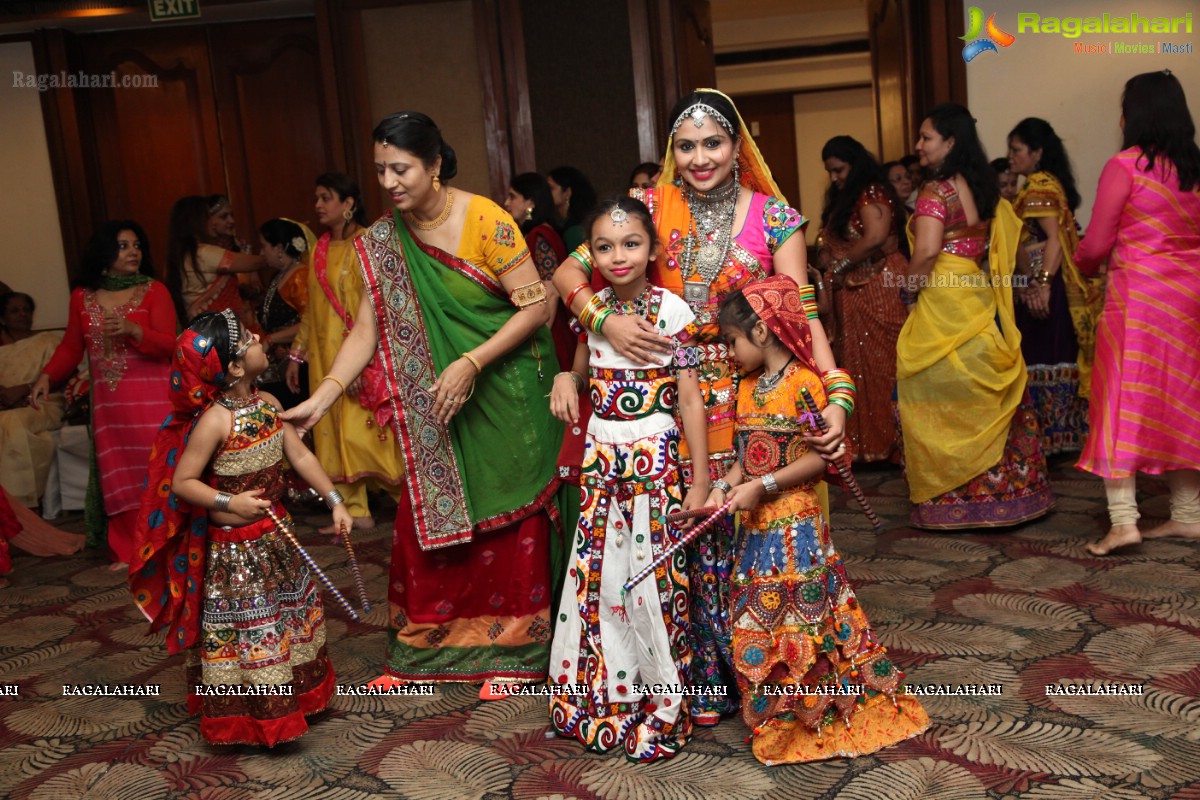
(495, 463)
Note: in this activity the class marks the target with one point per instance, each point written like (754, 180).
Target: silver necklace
(707, 243)
(769, 383)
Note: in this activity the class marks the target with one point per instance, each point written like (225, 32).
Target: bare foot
(1118, 536)
(1182, 530)
(120, 566)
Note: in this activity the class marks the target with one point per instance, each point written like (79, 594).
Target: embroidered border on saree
(439, 497)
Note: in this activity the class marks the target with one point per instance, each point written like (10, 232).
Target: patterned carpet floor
(1021, 609)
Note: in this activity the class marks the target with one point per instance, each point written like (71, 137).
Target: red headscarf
(776, 301)
(167, 567)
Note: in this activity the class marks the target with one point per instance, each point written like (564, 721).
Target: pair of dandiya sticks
(813, 417)
(711, 515)
(286, 529)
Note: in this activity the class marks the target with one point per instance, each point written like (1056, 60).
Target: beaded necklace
(234, 403)
(636, 307)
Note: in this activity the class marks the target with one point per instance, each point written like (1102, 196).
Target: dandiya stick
(683, 541)
(358, 581)
(286, 530)
(842, 465)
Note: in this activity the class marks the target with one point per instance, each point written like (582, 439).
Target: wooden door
(237, 111)
(154, 145)
(273, 138)
(771, 119)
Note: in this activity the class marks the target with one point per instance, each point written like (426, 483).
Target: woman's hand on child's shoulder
(635, 338)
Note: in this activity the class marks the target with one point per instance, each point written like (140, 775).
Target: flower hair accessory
(618, 215)
(299, 244)
(697, 112)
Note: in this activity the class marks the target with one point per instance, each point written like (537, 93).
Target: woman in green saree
(456, 311)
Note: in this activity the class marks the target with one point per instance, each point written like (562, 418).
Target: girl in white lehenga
(607, 648)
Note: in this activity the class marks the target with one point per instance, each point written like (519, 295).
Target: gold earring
(347, 215)
(529, 214)
(437, 183)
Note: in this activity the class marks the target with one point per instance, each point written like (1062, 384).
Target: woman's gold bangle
(474, 362)
(341, 385)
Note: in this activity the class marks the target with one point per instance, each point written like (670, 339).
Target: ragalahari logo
(994, 37)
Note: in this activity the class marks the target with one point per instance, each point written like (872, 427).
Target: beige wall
(1040, 75)
(831, 95)
(423, 58)
(30, 235)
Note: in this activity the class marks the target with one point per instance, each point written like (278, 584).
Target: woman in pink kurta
(1145, 407)
(124, 321)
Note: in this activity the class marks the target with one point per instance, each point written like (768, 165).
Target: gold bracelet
(474, 363)
(341, 385)
(471, 393)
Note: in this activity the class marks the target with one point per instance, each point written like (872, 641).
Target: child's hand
(248, 505)
(716, 498)
(745, 496)
(691, 501)
(564, 398)
(342, 519)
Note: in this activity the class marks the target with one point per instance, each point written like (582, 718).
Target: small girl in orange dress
(814, 680)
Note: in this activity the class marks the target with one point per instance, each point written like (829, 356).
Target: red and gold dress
(263, 665)
(814, 680)
(869, 316)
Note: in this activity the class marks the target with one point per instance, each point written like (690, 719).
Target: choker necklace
(441, 218)
(708, 241)
(635, 307)
(769, 383)
(233, 403)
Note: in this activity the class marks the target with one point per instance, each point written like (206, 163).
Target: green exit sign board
(164, 10)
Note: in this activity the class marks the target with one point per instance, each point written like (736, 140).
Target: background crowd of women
(989, 373)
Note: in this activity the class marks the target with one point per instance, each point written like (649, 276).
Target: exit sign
(163, 10)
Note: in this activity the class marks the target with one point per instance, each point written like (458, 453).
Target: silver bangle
(768, 482)
(221, 501)
(722, 484)
(333, 498)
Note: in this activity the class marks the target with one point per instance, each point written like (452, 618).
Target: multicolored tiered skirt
(262, 664)
(815, 681)
(622, 662)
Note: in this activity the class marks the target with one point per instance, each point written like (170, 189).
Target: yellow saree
(959, 370)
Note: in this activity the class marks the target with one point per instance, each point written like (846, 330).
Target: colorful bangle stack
(840, 388)
(583, 254)
(594, 313)
(808, 300)
(575, 291)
